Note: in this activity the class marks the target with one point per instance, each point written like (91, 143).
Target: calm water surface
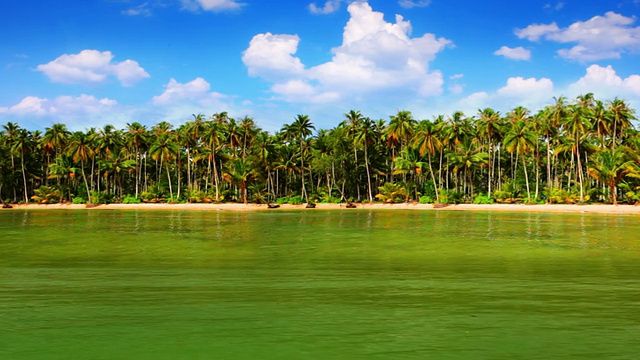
(318, 284)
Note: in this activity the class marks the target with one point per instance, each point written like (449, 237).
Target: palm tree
(468, 158)
(427, 143)
(21, 146)
(214, 137)
(490, 127)
(165, 149)
(62, 169)
(365, 137)
(136, 138)
(520, 140)
(80, 149)
(609, 166)
(577, 125)
(621, 115)
(301, 128)
(239, 172)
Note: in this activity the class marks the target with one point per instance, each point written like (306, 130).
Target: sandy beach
(597, 208)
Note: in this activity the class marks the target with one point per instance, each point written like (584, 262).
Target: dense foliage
(585, 150)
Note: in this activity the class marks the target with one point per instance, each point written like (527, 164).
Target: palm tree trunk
(86, 183)
(580, 174)
(526, 178)
(433, 177)
(614, 194)
(366, 163)
(169, 178)
(548, 164)
(24, 178)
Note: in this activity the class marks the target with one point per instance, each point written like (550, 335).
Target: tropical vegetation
(578, 151)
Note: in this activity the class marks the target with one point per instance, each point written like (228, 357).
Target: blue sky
(97, 62)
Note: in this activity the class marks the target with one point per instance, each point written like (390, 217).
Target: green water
(318, 284)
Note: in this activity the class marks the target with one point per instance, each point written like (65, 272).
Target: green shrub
(130, 199)
(426, 199)
(483, 199)
(79, 200)
(295, 200)
(46, 195)
(102, 197)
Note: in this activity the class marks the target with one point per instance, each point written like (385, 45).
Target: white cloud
(532, 93)
(557, 7)
(411, 3)
(605, 83)
(518, 53)
(301, 91)
(456, 76)
(270, 56)
(456, 89)
(519, 87)
(61, 106)
(212, 5)
(535, 31)
(78, 112)
(139, 10)
(195, 91)
(375, 57)
(329, 7)
(601, 37)
(92, 66)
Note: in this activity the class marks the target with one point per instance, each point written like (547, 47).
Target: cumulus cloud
(412, 3)
(212, 5)
(601, 37)
(532, 93)
(194, 91)
(77, 112)
(375, 56)
(92, 66)
(329, 7)
(520, 87)
(271, 56)
(606, 83)
(518, 53)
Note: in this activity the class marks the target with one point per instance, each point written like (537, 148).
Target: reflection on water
(319, 284)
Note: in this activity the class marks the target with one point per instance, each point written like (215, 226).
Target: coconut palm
(520, 140)
(136, 139)
(214, 137)
(165, 149)
(300, 129)
(80, 149)
(427, 142)
(21, 146)
(621, 116)
(239, 172)
(609, 166)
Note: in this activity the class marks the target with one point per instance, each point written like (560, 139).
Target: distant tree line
(584, 150)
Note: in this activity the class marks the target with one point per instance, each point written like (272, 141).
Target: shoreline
(549, 208)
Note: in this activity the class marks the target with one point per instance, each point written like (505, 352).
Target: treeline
(584, 150)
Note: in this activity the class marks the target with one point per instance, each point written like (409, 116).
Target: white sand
(600, 209)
